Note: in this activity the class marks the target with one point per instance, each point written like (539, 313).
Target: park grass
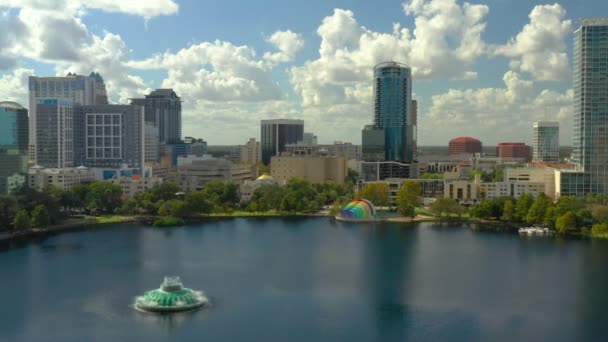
(242, 213)
(112, 218)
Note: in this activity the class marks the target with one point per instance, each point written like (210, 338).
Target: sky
(486, 69)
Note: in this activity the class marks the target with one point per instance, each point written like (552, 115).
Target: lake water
(307, 279)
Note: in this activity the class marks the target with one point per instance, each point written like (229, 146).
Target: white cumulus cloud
(540, 47)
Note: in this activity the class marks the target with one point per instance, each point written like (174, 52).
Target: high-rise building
(13, 145)
(110, 136)
(278, 133)
(13, 126)
(519, 151)
(251, 152)
(77, 89)
(545, 142)
(54, 133)
(393, 110)
(590, 131)
(151, 143)
(310, 139)
(164, 108)
(464, 145)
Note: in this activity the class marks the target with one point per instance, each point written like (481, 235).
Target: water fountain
(172, 296)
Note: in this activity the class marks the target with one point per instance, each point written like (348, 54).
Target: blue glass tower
(393, 110)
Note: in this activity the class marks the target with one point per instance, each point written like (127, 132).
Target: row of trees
(299, 195)
(32, 208)
(566, 215)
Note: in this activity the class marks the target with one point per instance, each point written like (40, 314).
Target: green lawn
(112, 218)
(242, 213)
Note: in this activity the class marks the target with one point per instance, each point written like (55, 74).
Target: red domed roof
(464, 139)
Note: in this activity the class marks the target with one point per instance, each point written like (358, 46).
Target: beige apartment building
(316, 169)
(251, 152)
(543, 175)
(132, 186)
(40, 178)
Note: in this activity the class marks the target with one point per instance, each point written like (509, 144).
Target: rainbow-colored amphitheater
(360, 209)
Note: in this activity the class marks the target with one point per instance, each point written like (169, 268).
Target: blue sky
(486, 69)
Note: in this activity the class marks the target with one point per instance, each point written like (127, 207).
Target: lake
(307, 279)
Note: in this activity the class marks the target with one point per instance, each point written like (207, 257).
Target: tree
(103, 197)
(377, 193)
(446, 205)
(600, 213)
(40, 216)
(508, 211)
(197, 202)
(536, 213)
(408, 198)
(565, 222)
(428, 175)
(129, 207)
(599, 229)
(523, 204)
(550, 217)
(22, 220)
(8, 208)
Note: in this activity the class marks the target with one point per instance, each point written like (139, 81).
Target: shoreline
(74, 224)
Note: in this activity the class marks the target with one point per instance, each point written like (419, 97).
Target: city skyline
(473, 70)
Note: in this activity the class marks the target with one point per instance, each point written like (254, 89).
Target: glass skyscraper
(545, 144)
(13, 145)
(393, 110)
(590, 131)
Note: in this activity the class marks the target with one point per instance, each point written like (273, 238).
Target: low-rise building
(543, 175)
(466, 192)
(431, 188)
(316, 169)
(133, 185)
(40, 178)
(511, 189)
(193, 177)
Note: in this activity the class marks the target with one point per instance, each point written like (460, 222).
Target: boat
(534, 231)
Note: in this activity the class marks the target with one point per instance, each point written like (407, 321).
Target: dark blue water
(307, 280)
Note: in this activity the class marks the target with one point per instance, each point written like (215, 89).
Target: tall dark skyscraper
(164, 108)
(590, 131)
(278, 133)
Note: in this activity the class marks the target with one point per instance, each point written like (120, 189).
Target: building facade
(316, 169)
(278, 133)
(110, 136)
(54, 131)
(543, 175)
(393, 110)
(519, 151)
(193, 177)
(133, 185)
(251, 152)
(590, 131)
(13, 145)
(163, 108)
(150, 143)
(545, 142)
(77, 89)
(464, 145)
(40, 178)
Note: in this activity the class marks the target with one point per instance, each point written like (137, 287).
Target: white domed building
(250, 186)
